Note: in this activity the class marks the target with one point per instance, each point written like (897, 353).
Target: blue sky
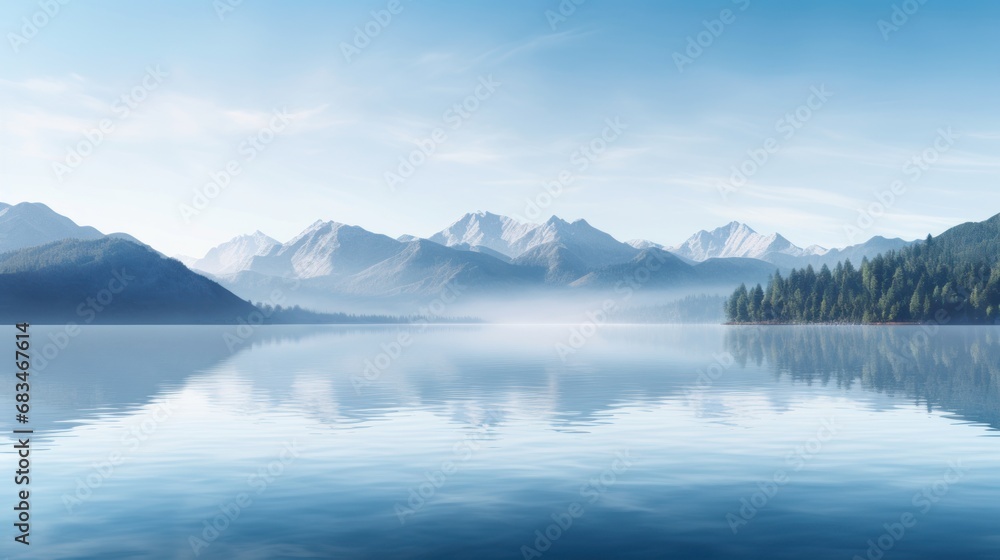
(660, 173)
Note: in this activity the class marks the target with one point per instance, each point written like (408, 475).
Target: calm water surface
(484, 442)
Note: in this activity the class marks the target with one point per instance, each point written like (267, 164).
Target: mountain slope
(554, 262)
(855, 253)
(109, 281)
(507, 236)
(236, 254)
(734, 271)
(485, 229)
(644, 244)
(479, 249)
(735, 240)
(424, 267)
(29, 224)
(592, 246)
(327, 249)
(971, 242)
(651, 268)
(875, 246)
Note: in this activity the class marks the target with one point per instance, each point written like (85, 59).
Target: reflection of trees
(956, 369)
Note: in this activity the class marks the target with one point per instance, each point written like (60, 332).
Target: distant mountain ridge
(326, 249)
(30, 224)
(514, 239)
(485, 252)
(236, 254)
(875, 246)
(497, 250)
(735, 240)
(484, 229)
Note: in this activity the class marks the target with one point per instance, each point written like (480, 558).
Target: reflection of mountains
(459, 372)
(462, 372)
(114, 369)
(952, 368)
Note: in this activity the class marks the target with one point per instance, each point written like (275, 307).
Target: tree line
(929, 281)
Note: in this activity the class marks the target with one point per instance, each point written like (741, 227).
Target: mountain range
(485, 253)
(489, 252)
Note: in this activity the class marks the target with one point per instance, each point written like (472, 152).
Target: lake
(512, 442)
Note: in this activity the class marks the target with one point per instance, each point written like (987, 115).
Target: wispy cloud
(528, 45)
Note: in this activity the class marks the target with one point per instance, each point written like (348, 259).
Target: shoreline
(845, 324)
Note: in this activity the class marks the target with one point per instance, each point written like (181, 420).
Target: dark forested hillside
(954, 278)
(108, 281)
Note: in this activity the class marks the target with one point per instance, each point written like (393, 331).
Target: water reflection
(955, 369)
(322, 369)
(707, 413)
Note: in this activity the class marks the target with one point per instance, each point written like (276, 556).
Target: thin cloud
(509, 50)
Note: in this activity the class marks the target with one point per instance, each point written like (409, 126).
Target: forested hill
(954, 278)
(108, 281)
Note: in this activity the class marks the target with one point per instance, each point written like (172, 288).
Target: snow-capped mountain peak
(643, 244)
(484, 229)
(589, 244)
(735, 240)
(513, 238)
(816, 250)
(327, 248)
(236, 254)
